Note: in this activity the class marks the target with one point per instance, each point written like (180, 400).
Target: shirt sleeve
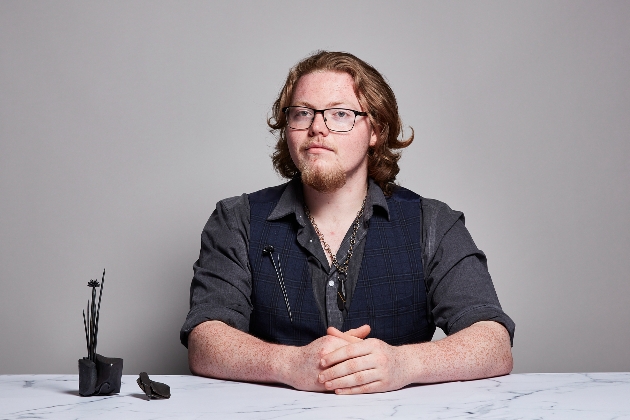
(222, 282)
(460, 289)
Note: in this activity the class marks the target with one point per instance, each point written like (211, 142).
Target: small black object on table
(153, 389)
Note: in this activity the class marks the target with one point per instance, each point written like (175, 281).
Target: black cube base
(100, 378)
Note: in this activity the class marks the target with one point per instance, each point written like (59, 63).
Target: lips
(316, 147)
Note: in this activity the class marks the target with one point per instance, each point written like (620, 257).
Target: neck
(339, 205)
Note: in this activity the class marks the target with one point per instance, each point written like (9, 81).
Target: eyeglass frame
(321, 111)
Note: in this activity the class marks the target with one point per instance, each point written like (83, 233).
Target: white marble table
(522, 396)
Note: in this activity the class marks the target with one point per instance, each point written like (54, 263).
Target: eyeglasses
(339, 120)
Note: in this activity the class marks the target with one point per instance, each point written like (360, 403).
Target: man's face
(327, 160)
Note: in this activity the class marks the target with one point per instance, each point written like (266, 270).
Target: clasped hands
(347, 363)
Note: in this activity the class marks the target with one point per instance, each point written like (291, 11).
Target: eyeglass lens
(336, 119)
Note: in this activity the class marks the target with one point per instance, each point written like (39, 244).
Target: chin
(325, 180)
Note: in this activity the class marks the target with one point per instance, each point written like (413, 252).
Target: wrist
(282, 364)
(414, 366)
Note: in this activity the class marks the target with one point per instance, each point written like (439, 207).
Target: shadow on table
(135, 395)
(74, 392)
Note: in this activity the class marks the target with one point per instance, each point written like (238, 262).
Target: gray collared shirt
(460, 290)
(325, 278)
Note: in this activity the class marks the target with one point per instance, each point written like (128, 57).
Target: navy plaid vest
(389, 296)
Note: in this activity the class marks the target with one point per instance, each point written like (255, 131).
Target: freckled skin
(349, 365)
(479, 351)
(219, 351)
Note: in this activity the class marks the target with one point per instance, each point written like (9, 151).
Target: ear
(374, 136)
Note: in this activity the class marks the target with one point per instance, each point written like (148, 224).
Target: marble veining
(519, 396)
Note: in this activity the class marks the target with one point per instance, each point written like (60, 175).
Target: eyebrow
(329, 105)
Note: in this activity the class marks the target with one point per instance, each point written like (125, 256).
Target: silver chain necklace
(342, 269)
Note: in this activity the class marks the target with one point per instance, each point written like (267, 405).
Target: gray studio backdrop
(123, 123)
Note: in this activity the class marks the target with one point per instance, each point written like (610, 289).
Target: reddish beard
(324, 179)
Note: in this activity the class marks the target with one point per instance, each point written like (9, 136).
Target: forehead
(325, 88)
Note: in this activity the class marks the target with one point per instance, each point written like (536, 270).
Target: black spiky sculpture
(98, 375)
(91, 323)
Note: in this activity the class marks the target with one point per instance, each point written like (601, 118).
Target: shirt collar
(292, 201)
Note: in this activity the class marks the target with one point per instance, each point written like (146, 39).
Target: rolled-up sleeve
(222, 283)
(460, 289)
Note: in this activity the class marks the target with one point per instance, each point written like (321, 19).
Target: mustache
(318, 142)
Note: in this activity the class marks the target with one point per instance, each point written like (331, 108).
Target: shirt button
(331, 283)
(310, 240)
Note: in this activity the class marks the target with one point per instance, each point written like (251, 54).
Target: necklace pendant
(341, 294)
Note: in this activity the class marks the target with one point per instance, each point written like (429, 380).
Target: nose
(318, 126)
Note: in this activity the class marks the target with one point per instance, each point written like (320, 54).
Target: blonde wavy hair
(375, 97)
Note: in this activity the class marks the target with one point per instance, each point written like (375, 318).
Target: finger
(345, 336)
(330, 343)
(344, 353)
(348, 367)
(376, 386)
(354, 380)
(361, 332)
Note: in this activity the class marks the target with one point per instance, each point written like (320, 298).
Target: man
(283, 271)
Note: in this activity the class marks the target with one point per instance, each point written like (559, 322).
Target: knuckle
(349, 351)
(364, 389)
(359, 378)
(325, 349)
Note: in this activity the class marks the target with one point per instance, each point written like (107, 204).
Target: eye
(300, 113)
(342, 114)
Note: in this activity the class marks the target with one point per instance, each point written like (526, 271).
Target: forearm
(480, 351)
(219, 351)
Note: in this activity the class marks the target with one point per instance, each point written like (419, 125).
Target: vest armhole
(424, 257)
